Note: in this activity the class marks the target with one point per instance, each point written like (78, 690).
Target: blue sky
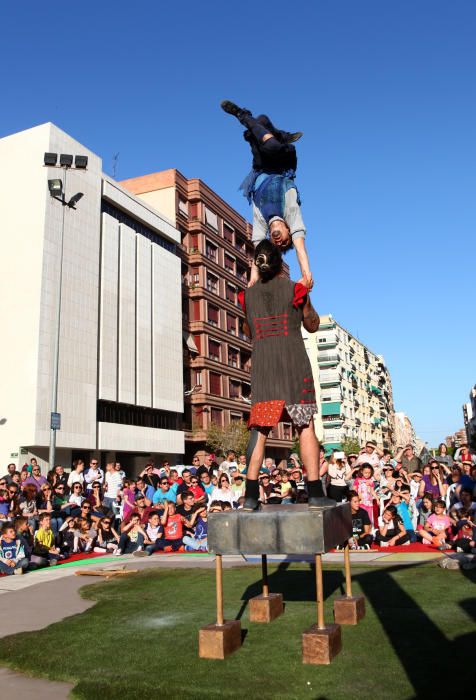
(385, 95)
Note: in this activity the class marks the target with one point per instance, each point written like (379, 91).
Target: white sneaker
(117, 553)
(384, 544)
(18, 572)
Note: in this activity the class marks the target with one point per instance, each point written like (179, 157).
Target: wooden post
(264, 568)
(319, 593)
(218, 640)
(348, 578)
(321, 642)
(348, 609)
(219, 587)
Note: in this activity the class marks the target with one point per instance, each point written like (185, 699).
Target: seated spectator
(414, 483)
(108, 538)
(149, 478)
(8, 478)
(146, 490)
(27, 505)
(24, 534)
(364, 484)
(229, 462)
(207, 484)
(4, 502)
(197, 489)
(165, 492)
(406, 509)
(45, 504)
(391, 531)
(339, 474)
(128, 497)
(433, 480)
(224, 492)
(238, 485)
(44, 550)
(173, 527)
(154, 535)
(68, 539)
(187, 511)
(95, 498)
(132, 537)
(184, 486)
(361, 525)
(465, 538)
(453, 482)
(13, 559)
(86, 534)
(76, 476)
(437, 525)
(75, 499)
(59, 478)
(35, 479)
(14, 500)
(464, 502)
(198, 541)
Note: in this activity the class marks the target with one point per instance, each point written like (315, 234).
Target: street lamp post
(57, 189)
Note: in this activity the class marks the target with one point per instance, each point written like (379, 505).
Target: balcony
(329, 378)
(328, 340)
(327, 360)
(330, 408)
(332, 421)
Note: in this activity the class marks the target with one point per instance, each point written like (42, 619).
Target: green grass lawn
(141, 639)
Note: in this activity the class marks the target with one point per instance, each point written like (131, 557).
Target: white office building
(120, 376)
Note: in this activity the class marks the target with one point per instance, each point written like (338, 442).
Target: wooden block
(218, 641)
(266, 608)
(349, 610)
(319, 646)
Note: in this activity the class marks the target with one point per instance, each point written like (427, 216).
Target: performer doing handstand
(282, 386)
(271, 188)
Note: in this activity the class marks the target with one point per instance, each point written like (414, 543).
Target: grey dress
(282, 385)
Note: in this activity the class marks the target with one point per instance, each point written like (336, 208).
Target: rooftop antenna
(115, 158)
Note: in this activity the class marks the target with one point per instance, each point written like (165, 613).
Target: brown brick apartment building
(216, 254)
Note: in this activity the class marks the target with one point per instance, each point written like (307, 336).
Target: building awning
(331, 408)
(329, 446)
(189, 342)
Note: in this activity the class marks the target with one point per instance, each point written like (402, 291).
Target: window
(241, 273)
(194, 277)
(231, 324)
(197, 374)
(193, 248)
(211, 219)
(211, 252)
(246, 361)
(213, 315)
(215, 383)
(230, 293)
(287, 431)
(228, 233)
(216, 415)
(233, 357)
(234, 389)
(229, 264)
(212, 283)
(183, 207)
(214, 350)
(240, 244)
(321, 340)
(235, 417)
(194, 209)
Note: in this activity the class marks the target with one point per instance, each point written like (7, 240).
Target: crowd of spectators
(395, 500)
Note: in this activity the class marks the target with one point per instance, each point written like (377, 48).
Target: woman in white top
(223, 492)
(339, 473)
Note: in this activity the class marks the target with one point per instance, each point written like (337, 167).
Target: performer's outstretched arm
(311, 318)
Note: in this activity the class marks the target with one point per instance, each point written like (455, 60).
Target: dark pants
(175, 544)
(20, 564)
(401, 540)
(463, 543)
(337, 493)
(157, 546)
(125, 544)
(274, 151)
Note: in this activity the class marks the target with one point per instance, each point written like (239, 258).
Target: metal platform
(280, 529)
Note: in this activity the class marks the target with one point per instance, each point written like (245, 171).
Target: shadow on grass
(429, 658)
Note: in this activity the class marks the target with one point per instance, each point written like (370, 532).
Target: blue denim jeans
(21, 564)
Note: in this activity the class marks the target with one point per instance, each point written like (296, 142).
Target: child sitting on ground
(437, 525)
(391, 531)
(271, 188)
(44, 543)
(465, 540)
(12, 552)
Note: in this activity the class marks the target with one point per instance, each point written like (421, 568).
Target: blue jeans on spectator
(157, 546)
(126, 546)
(21, 564)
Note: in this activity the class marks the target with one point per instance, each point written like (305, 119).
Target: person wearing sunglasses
(165, 492)
(224, 492)
(108, 538)
(35, 479)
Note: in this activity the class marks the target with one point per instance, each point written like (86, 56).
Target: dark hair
(392, 510)
(268, 260)
(187, 494)
(352, 494)
(7, 526)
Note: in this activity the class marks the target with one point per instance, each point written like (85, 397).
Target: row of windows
(137, 226)
(125, 414)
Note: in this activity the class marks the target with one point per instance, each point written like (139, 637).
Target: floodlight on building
(66, 160)
(75, 199)
(81, 162)
(56, 188)
(50, 159)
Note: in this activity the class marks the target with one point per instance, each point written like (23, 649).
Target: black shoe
(292, 138)
(318, 502)
(234, 110)
(250, 504)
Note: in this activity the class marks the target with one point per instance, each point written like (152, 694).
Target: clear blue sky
(385, 95)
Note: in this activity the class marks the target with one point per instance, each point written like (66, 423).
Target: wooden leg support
(216, 641)
(267, 606)
(321, 642)
(348, 609)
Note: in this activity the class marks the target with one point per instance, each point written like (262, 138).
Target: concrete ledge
(290, 529)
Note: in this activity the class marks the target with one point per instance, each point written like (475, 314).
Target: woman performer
(282, 385)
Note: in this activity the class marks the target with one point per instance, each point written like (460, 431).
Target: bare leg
(309, 447)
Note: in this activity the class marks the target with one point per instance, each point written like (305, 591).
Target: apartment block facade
(355, 388)
(216, 253)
